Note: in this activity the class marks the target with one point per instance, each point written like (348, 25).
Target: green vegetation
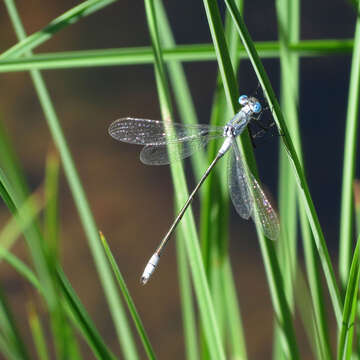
(203, 263)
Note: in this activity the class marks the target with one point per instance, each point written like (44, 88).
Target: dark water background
(132, 203)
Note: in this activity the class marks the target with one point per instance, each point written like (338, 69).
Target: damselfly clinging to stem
(166, 141)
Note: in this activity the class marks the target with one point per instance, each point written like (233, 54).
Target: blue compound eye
(243, 99)
(257, 107)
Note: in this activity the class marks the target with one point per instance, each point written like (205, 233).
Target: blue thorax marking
(239, 122)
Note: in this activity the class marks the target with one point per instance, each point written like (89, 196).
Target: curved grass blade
(124, 335)
(82, 320)
(9, 330)
(293, 159)
(289, 32)
(68, 18)
(188, 225)
(350, 305)
(268, 251)
(129, 302)
(349, 163)
(37, 333)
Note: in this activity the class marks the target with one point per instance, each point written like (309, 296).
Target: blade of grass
(20, 225)
(68, 18)
(347, 204)
(6, 350)
(215, 216)
(27, 214)
(187, 225)
(37, 333)
(144, 55)
(74, 306)
(351, 297)
(65, 344)
(82, 320)
(129, 302)
(271, 265)
(51, 213)
(187, 113)
(306, 309)
(293, 159)
(119, 319)
(357, 205)
(288, 25)
(9, 329)
(11, 164)
(188, 311)
(289, 33)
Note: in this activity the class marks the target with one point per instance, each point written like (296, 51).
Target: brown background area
(132, 203)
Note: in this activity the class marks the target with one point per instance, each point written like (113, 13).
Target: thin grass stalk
(37, 333)
(267, 247)
(356, 187)
(215, 215)
(24, 220)
(349, 163)
(188, 115)
(25, 216)
(181, 90)
(6, 350)
(288, 25)
(9, 330)
(69, 17)
(65, 345)
(293, 159)
(286, 247)
(51, 213)
(11, 163)
(187, 225)
(351, 300)
(144, 55)
(82, 320)
(188, 311)
(129, 302)
(120, 322)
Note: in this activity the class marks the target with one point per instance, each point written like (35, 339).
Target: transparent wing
(159, 155)
(238, 187)
(267, 215)
(152, 132)
(251, 194)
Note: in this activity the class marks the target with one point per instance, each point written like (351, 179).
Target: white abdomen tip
(149, 269)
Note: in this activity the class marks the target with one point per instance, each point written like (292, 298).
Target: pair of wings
(184, 140)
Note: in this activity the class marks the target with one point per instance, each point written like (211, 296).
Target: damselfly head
(252, 102)
(255, 105)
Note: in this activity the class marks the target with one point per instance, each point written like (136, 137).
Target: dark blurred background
(127, 198)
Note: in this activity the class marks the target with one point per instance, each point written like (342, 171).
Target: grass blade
(129, 302)
(293, 159)
(349, 163)
(51, 213)
(351, 298)
(184, 53)
(188, 116)
(288, 18)
(9, 330)
(69, 17)
(124, 336)
(187, 225)
(37, 333)
(357, 205)
(267, 247)
(82, 320)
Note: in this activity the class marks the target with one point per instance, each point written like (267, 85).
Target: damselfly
(165, 141)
